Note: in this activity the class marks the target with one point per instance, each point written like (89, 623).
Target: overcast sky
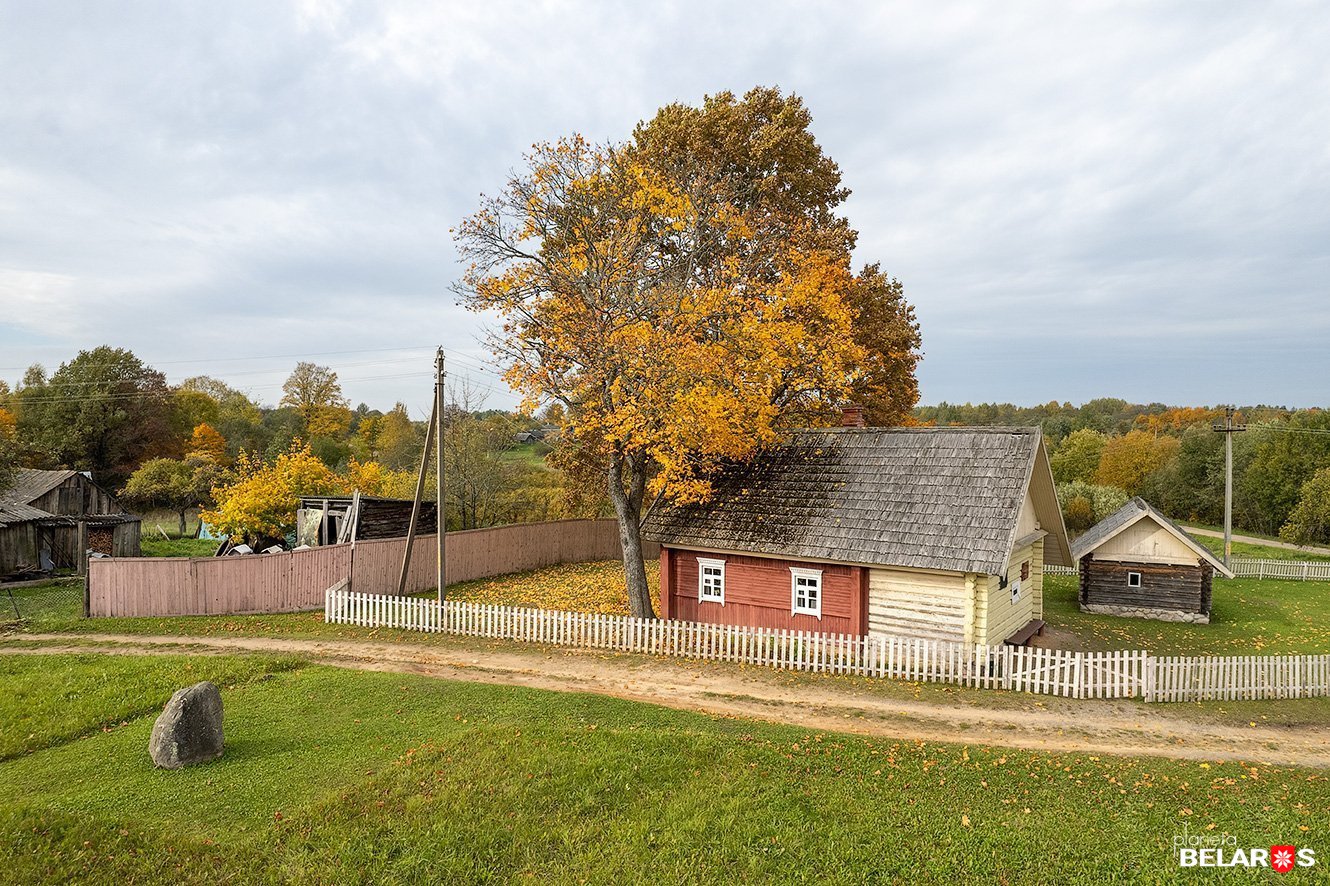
(1122, 201)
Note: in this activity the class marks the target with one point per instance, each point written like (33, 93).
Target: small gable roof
(1129, 515)
(928, 498)
(31, 484)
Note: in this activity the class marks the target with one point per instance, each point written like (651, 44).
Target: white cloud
(1119, 193)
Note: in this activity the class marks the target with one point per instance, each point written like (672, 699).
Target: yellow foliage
(1129, 459)
(207, 443)
(261, 500)
(372, 478)
(680, 370)
(1177, 419)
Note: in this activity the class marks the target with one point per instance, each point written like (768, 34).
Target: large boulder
(190, 728)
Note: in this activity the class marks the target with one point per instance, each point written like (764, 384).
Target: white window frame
(1016, 591)
(796, 573)
(1133, 575)
(703, 564)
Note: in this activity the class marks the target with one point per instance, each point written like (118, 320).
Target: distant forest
(203, 443)
(1108, 449)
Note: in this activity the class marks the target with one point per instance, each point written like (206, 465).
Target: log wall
(1165, 587)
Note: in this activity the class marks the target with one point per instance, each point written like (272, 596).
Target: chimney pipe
(852, 417)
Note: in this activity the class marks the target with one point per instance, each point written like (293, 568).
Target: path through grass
(345, 776)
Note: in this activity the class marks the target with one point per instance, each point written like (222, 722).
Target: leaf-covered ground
(346, 776)
(581, 587)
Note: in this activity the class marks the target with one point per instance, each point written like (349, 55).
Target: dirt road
(1263, 542)
(815, 701)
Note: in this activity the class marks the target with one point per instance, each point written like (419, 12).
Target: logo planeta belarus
(1223, 851)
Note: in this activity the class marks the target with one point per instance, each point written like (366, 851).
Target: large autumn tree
(104, 411)
(686, 295)
(315, 394)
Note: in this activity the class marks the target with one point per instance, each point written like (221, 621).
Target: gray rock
(189, 730)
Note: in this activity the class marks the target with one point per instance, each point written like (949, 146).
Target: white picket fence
(1252, 567)
(1296, 570)
(1118, 674)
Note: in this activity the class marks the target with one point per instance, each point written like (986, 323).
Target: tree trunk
(182, 522)
(627, 487)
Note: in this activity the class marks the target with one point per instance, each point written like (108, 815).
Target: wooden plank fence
(292, 581)
(1251, 567)
(1117, 674)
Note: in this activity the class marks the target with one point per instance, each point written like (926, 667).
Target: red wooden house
(939, 533)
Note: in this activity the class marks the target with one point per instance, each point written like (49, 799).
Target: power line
(211, 360)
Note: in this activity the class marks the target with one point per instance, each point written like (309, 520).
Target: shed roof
(30, 484)
(1129, 515)
(928, 498)
(18, 512)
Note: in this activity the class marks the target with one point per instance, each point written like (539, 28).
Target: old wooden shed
(938, 533)
(326, 519)
(1138, 563)
(43, 514)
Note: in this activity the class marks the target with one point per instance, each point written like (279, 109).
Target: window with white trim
(1133, 579)
(710, 581)
(806, 591)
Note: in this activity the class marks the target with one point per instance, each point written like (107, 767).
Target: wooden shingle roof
(31, 484)
(1129, 515)
(928, 498)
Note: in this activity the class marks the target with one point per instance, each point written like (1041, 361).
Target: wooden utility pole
(433, 436)
(415, 507)
(440, 509)
(1228, 429)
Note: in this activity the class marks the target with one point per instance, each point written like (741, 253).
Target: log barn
(41, 515)
(1138, 563)
(937, 533)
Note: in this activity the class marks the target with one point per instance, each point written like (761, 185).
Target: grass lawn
(345, 776)
(1249, 617)
(1259, 552)
(530, 454)
(178, 547)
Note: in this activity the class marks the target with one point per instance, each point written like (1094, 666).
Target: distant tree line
(204, 444)
(1109, 449)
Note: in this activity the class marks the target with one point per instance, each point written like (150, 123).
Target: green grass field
(344, 776)
(1259, 552)
(1249, 617)
(178, 547)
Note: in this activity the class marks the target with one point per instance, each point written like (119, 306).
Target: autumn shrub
(1079, 514)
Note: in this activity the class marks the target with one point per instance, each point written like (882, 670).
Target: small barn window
(1025, 570)
(806, 591)
(711, 580)
(1133, 579)
(1016, 591)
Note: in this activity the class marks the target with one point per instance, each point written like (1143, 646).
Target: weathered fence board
(1116, 674)
(295, 580)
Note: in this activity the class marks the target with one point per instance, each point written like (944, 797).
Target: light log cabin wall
(996, 616)
(931, 605)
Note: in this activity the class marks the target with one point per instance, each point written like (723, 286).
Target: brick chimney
(852, 417)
